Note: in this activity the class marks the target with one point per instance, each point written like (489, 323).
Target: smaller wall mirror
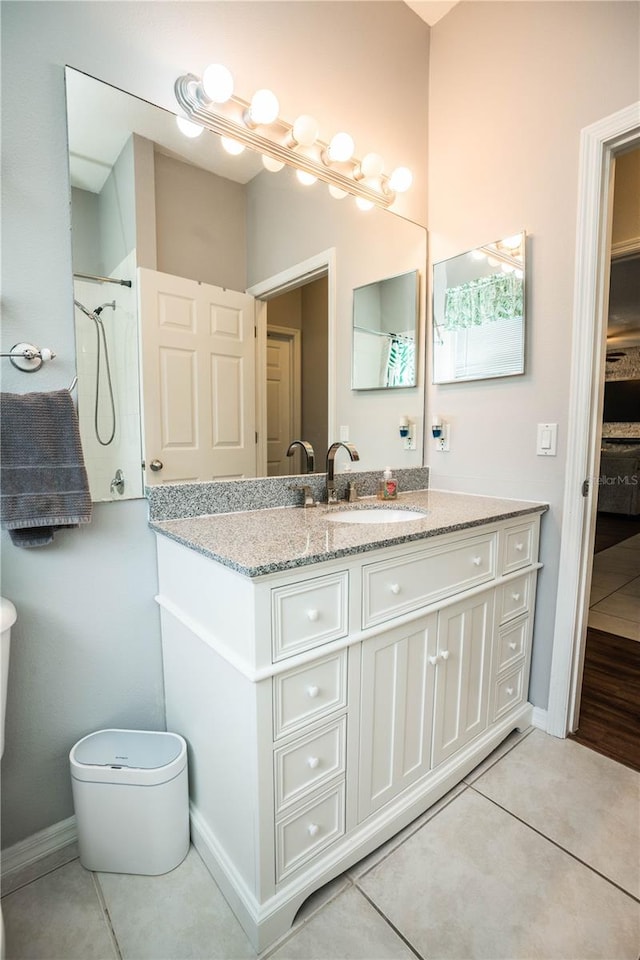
(385, 327)
(479, 313)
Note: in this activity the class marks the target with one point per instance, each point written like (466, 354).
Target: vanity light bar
(231, 123)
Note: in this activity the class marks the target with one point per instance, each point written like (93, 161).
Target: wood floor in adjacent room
(610, 704)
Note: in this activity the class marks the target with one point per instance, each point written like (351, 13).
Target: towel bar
(27, 357)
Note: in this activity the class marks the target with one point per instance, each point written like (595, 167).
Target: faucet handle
(308, 493)
(353, 491)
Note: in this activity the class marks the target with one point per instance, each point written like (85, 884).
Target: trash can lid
(134, 749)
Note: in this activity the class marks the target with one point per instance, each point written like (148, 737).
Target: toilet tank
(8, 617)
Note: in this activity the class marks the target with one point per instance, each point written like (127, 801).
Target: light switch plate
(547, 442)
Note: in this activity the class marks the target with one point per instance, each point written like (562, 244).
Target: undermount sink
(374, 515)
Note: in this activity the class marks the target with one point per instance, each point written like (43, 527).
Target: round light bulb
(511, 243)
(478, 254)
(264, 107)
(271, 165)
(217, 83)
(507, 267)
(341, 148)
(188, 127)
(232, 146)
(305, 130)
(401, 179)
(364, 204)
(306, 178)
(493, 262)
(372, 165)
(519, 274)
(336, 192)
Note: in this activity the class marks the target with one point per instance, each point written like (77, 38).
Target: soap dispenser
(388, 486)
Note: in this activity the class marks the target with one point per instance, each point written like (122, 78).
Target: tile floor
(615, 589)
(535, 855)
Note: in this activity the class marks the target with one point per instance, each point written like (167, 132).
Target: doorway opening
(601, 144)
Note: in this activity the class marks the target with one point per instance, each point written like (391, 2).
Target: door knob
(156, 465)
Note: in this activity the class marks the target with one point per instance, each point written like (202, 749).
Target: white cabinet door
(395, 713)
(198, 379)
(462, 658)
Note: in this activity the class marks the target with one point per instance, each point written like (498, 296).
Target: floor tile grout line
(107, 915)
(559, 846)
(389, 923)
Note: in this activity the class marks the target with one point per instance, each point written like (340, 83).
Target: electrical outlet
(442, 442)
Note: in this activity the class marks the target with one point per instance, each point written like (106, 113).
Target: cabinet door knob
(312, 615)
(434, 660)
(513, 645)
(312, 762)
(519, 547)
(444, 654)
(515, 596)
(313, 692)
(477, 561)
(313, 829)
(395, 588)
(509, 691)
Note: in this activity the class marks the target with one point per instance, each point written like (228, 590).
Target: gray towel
(44, 483)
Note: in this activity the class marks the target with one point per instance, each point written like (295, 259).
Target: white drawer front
(309, 693)
(306, 615)
(508, 693)
(309, 763)
(519, 547)
(514, 598)
(305, 833)
(394, 587)
(512, 643)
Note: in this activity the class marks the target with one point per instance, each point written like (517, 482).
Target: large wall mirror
(207, 246)
(479, 313)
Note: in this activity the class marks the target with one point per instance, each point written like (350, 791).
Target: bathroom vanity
(333, 680)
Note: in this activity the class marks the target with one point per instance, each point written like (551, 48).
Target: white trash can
(131, 798)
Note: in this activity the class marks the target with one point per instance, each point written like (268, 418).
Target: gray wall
(85, 235)
(87, 642)
(503, 156)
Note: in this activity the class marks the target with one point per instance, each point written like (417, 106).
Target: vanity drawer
(520, 546)
(394, 587)
(305, 833)
(309, 693)
(508, 693)
(512, 643)
(307, 614)
(514, 598)
(309, 763)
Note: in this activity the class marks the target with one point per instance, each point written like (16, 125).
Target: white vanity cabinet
(327, 705)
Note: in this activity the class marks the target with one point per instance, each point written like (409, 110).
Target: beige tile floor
(615, 590)
(535, 855)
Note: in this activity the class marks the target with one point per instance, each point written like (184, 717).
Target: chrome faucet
(310, 459)
(332, 496)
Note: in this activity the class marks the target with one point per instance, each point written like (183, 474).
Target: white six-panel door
(198, 379)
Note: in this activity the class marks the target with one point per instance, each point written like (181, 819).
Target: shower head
(98, 310)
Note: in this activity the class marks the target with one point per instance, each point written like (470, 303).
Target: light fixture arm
(198, 108)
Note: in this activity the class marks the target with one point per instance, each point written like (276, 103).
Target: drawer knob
(313, 762)
(312, 615)
(515, 596)
(395, 588)
(313, 692)
(477, 561)
(444, 654)
(434, 660)
(513, 645)
(313, 829)
(519, 547)
(509, 691)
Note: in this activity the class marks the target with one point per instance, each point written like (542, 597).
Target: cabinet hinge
(585, 487)
(256, 436)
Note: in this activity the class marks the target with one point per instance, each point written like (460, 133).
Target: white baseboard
(28, 852)
(539, 718)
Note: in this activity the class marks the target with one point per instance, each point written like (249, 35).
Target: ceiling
(431, 10)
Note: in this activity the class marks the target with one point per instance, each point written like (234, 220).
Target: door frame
(320, 265)
(599, 144)
(294, 338)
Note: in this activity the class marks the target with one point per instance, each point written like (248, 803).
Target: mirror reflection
(479, 313)
(237, 297)
(385, 327)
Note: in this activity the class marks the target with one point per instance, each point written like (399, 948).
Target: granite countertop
(258, 542)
